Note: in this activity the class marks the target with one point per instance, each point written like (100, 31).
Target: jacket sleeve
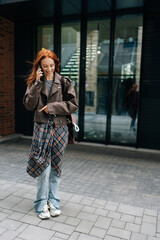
(69, 103)
(30, 99)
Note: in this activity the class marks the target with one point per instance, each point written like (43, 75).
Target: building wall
(149, 112)
(7, 104)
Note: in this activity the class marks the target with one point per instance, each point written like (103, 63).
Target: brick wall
(7, 103)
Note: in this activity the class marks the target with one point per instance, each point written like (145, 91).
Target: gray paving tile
(103, 222)
(72, 209)
(9, 235)
(87, 237)
(10, 224)
(126, 209)
(116, 232)
(98, 232)
(84, 226)
(63, 228)
(148, 229)
(36, 233)
(138, 236)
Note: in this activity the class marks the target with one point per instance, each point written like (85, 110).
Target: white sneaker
(45, 214)
(53, 211)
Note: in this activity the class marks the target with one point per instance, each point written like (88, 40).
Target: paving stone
(86, 237)
(88, 209)
(126, 209)
(114, 215)
(76, 198)
(36, 233)
(9, 235)
(111, 206)
(63, 228)
(3, 216)
(118, 224)
(153, 238)
(4, 194)
(2, 229)
(138, 220)
(8, 211)
(62, 218)
(72, 221)
(116, 232)
(22, 227)
(87, 216)
(24, 206)
(132, 227)
(87, 201)
(10, 224)
(72, 209)
(158, 227)
(103, 222)
(101, 212)
(61, 235)
(149, 219)
(138, 236)
(111, 238)
(127, 218)
(30, 220)
(16, 215)
(150, 212)
(47, 224)
(84, 226)
(74, 236)
(100, 202)
(65, 196)
(148, 229)
(98, 232)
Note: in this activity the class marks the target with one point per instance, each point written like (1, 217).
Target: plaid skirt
(48, 146)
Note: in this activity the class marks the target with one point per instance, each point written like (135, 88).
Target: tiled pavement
(106, 193)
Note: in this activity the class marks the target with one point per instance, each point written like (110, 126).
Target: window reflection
(70, 54)
(97, 59)
(127, 57)
(45, 37)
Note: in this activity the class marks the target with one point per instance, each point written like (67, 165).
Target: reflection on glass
(127, 57)
(70, 54)
(97, 56)
(129, 4)
(45, 37)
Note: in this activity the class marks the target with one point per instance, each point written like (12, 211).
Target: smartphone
(39, 66)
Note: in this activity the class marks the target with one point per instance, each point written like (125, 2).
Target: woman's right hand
(39, 74)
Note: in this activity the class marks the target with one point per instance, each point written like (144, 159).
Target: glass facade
(97, 56)
(45, 37)
(106, 119)
(126, 78)
(70, 54)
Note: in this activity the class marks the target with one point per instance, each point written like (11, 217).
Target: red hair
(44, 53)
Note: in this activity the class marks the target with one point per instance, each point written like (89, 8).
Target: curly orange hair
(44, 53)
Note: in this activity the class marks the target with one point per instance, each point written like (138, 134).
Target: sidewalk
(106, 193)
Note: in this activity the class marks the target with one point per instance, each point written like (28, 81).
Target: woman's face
(48, 67)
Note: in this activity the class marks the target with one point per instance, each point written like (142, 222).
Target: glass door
(70, 54)
(45, 37)
(97, 61)
(126, 78)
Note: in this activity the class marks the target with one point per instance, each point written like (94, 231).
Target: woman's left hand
(45, 108)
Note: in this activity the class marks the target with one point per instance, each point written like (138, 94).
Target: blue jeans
(47, 188)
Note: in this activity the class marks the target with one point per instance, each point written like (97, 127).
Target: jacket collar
(55, 86)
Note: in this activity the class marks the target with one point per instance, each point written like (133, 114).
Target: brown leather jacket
(61, 101)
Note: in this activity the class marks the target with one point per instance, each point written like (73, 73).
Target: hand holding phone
(39, 73)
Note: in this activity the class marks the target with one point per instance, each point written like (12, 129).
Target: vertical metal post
(57, 27)
(110, 73)
(82, 69)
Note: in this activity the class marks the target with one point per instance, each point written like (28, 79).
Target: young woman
(53, 100)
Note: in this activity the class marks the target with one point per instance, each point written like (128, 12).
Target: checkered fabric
(48, 146)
